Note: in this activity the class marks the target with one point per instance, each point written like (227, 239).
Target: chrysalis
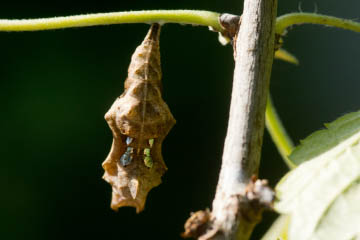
(139, 120)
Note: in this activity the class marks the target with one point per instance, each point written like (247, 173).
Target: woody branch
(239, 201)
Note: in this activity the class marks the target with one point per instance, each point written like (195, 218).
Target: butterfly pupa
(139, 120)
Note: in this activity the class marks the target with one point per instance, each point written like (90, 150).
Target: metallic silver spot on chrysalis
(129, 140)
(126, 157)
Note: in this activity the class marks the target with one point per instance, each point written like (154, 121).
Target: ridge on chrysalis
(139, 120)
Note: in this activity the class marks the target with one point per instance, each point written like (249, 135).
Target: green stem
(287, 20)
(278, 133)
(273, 122)
(194, 17)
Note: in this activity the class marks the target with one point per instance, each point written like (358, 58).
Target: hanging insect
(139, 120)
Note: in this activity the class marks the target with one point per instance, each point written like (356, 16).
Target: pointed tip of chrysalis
(154, 32)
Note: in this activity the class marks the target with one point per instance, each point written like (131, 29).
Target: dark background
(56, 86)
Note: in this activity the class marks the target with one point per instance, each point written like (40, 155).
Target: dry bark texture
(254, 50)
(136, 117)
(240, 199)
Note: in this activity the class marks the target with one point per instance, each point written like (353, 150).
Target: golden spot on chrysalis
(139, 120)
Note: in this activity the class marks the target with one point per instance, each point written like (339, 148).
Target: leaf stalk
(193, 17)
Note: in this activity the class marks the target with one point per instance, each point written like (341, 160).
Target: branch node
(230, 23)
(256, 197)
(197, 224)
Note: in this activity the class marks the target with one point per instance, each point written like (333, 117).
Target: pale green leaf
(279, 229)
(343, 214)
(322, 195)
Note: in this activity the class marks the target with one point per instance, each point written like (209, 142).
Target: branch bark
(233, 215)
(240, 199)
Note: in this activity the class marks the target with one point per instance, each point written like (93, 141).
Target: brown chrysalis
(139, 120)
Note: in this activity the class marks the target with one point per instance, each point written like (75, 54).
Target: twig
(278, 133)
(238, 203)
(285, 21)
(194, 17)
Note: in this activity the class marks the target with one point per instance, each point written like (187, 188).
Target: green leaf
(284, 55)
(322, 141)
(344, 214)
(279, 229)
(322, 195)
